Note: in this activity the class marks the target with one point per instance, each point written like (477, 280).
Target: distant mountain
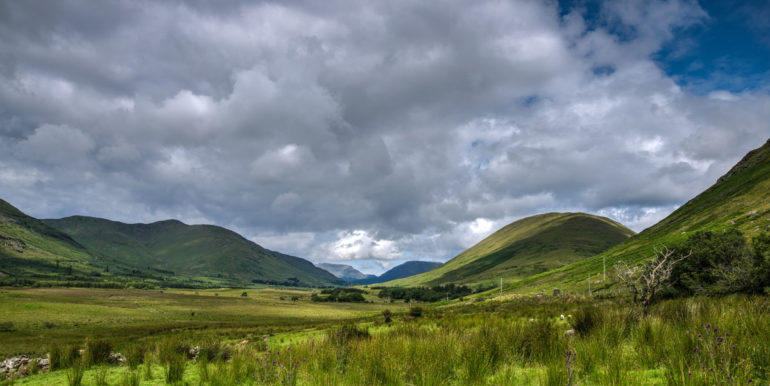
(344, 271)
(739, 199)
(404, 270)
(191, 250)
(527, 247)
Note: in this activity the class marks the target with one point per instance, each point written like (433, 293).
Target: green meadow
(523, 340)
(41, 317)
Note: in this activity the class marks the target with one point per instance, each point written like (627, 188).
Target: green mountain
(527, 247)
(739, 199)
(31, 249)
(410, 268)
(197, 251)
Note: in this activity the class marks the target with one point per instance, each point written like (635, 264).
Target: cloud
(357, 245)
(372, 132)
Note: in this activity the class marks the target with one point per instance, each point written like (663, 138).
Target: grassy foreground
(692, 341)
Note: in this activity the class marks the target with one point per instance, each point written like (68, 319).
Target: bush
(175, 369)
(347, 333)
(720, 263)
(415, 312)
(63, 357)
(97, 351)
(586, 320)
(387, 314)
(75, 374)
(6, 327)
(244, 294)
(135, 355)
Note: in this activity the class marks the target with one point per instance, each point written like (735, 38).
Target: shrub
(720, 263)
(213, 350)
(415, 312)
(387, 314)
(6, 326)
(347, 333)
(55, 354)
(75, 373)
(174, 370)
(97, 351)
(586, 320)
(135, 355)
(244, 294)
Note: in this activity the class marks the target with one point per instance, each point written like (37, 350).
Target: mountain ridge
(527, 246)
(196, 250)
(344, 271)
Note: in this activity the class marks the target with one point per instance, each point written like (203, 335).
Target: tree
(645, 281)
(720, 263)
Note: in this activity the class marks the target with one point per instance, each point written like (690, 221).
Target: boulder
(116, 358)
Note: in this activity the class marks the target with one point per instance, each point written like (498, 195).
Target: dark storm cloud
(369, 131)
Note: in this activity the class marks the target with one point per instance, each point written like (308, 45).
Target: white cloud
(357, 245)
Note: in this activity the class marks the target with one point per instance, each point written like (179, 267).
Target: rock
(245, 341)
(531, 320)
(752, 213)
(193, 353)
(561, 316)
(569, 332)
(116, 358)
(21, 366)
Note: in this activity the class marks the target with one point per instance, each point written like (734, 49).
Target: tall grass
(680, 342)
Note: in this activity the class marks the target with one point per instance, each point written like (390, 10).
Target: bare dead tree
(645, 281)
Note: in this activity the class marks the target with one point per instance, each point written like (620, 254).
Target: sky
(375, 132)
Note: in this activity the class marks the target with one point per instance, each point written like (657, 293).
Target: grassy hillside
(191, 250)
(739, 199)
(526, 247)
(31, 249)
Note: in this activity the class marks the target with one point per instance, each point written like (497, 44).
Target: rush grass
(695, 341)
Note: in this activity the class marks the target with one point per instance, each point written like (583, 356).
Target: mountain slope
(31, 249)
(740, 199)
(410, 268)
(526, 247)
(195, 250)
(344, 271)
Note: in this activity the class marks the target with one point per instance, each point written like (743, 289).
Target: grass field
(691, 341)
(46, 316)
